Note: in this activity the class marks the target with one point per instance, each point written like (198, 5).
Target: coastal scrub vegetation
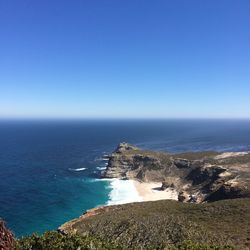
(53, 240)
(137, 226)
(169, 224)
(56, 241)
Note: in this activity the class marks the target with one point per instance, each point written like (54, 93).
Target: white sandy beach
(123, 191)
(127, 191)
(230, 154)
(150, 191)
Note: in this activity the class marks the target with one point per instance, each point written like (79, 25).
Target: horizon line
(121, 118)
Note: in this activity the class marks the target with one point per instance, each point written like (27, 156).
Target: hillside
(167, 223)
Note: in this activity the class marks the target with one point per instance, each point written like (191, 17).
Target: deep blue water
(38, 191)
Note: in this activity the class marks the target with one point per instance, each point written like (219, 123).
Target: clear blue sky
(125, 58)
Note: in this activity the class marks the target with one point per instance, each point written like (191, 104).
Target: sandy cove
(150, 191)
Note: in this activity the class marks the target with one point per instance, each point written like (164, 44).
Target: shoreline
(122, 192)
(129, 191)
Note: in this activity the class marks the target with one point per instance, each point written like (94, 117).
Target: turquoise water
(39, 186)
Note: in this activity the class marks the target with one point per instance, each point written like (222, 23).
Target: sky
(124, 59)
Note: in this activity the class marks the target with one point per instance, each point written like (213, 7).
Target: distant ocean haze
(50, 170)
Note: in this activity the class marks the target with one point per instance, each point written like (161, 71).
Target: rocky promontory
(196, 176)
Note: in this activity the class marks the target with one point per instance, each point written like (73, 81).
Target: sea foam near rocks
(77, 169)
(123, 191)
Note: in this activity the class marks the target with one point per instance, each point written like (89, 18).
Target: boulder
(184, 196)
(166, 185)
(182, 163)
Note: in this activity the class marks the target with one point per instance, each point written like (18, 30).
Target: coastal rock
(129, 162)
(183, 196)
(123, 146)
(182, 163)
(166, 184)
(230, 190)
(205, 173)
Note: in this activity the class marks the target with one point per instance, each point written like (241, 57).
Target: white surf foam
(123, 191)
(76, 169)
(105, 160)
(96, 180)
(101, 168)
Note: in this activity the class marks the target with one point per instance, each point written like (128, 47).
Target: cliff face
(197, 177)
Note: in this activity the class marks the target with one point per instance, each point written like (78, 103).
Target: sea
(50, 169)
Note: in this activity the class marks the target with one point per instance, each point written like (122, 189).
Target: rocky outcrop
(184, 196)
(197, 177)
(182, 163)
(128, 161)
(165, 185)
(123, 147)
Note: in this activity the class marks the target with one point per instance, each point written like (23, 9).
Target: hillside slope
(167, 223)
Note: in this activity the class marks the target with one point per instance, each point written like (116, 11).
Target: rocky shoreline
(196, 177)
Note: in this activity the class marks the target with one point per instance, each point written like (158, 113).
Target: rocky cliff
(197, 177)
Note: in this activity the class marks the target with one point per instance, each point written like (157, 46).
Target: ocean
(50, 170)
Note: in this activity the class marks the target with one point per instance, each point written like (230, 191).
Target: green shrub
(56, 241)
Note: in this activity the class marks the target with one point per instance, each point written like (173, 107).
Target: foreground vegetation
(148, 225)
(57, 241)
(166, 223)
